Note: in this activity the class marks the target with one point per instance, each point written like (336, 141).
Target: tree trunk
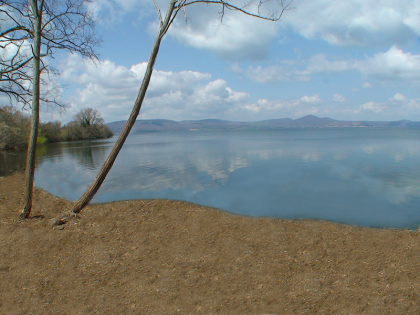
(96, 184)
(30, 158)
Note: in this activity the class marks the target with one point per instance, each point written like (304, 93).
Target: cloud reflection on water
(290, 169)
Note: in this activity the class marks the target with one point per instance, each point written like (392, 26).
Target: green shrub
(41, 140)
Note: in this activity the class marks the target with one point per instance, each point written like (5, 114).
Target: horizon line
(237, 121)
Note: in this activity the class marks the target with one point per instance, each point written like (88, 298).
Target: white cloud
(373, 107)
(112, 90)
(398, 97)
(319, 63)
(394, 64)
(397, 107)
(339, 98)
(414, 105)
(264, 109)
(366, 85)
(238, 37)
(373, 23)
(311, 99)
(10, 52)
(271, 74)
(356, 22)
(110, 11)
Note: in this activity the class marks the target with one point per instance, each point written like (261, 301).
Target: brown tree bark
(30, 159)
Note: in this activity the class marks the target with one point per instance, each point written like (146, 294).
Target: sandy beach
(169, 257)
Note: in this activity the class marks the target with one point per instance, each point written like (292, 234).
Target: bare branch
(274, 16)
(15, 67)
(14, 29)
(65, 25)
(159, 13)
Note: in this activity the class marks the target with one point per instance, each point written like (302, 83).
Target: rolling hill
(161, 125)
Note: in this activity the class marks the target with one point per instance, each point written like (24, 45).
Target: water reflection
(89, 154)
(12, 161)
(358, 177)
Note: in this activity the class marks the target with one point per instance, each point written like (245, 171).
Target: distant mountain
(160, 125)
(314, 121)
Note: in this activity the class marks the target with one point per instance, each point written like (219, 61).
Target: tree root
(24, 215)
(63, 218)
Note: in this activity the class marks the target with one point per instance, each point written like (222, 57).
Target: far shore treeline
(15, 126)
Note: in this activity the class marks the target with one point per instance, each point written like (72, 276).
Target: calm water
(355, 176)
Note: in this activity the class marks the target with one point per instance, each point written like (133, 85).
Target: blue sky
(356, 60)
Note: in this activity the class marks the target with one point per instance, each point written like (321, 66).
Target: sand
(169, 257)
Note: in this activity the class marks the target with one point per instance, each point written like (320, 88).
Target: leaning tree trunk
(30, 158)
(106, 167)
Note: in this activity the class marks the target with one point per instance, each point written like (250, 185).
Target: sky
(343, 59)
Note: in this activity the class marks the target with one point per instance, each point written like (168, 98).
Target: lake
(357, 176)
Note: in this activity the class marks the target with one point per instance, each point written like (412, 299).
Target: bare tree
(253, 9)
(16, 58)
(34, 30)
(87, 124)
(89, 117)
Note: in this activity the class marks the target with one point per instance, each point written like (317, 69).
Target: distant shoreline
(307, 122)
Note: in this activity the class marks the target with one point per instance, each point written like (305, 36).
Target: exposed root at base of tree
(24, 215)
(63, 218)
